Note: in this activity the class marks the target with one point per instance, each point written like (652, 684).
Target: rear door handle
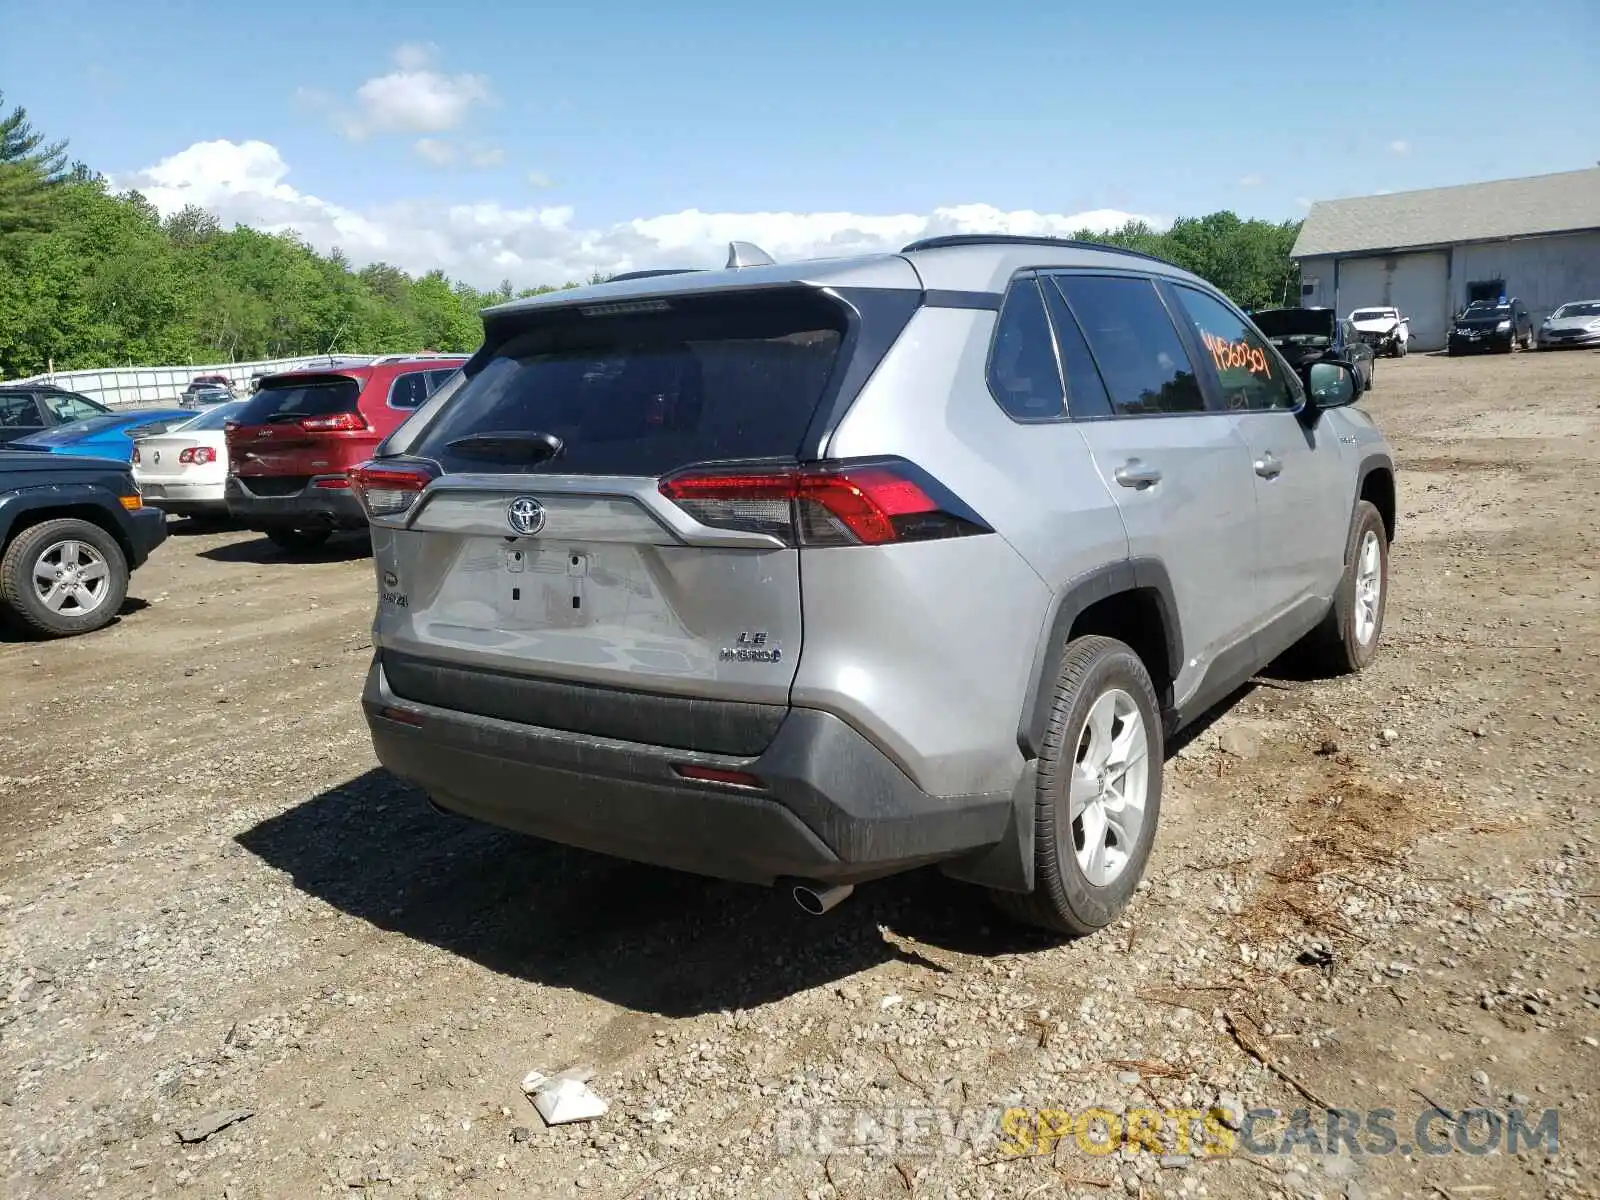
(1135, 474)
(1268, 467)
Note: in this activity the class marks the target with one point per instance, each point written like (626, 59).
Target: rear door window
(294, 399)
(18, 410)
(643, 389)
(1086, 391)
(1141, 358)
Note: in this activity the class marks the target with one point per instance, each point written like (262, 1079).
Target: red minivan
(291, 446)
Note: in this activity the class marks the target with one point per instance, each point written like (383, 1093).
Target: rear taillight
(197, 456)
(135, 458)
(388, 489)
(342, 422)
(867, 503)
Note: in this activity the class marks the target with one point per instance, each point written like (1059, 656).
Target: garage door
(1416, 284)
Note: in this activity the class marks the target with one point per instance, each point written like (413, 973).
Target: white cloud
(1304, 201)
(1251, 181)
(441, 153)
(414, 98)
(539, 179)
(414, 56)
(1400, 146)
(244, 183)
(434, 150)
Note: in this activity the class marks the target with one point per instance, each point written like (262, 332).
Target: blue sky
(530, 141)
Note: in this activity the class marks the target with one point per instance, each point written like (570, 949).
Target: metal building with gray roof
(1427, 252)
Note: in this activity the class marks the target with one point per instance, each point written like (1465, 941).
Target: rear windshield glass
(642, 393)
(73, 430)
(291, 399)
(1372, 314)
(214, 418)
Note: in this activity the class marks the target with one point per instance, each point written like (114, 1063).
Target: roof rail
(415, 356)
(1022, 239)
(651, 274)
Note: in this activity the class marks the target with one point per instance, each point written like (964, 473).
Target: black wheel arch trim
(76, 500)
(1129, 575)
(1370, 464)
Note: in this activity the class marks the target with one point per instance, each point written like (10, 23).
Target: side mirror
(1330, 385)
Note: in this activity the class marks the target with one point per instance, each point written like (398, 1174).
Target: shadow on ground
(13, 632)
(647, 939)
(342, 547)
(193, 526)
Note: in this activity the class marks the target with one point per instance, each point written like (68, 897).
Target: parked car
(1576, 323)
(105, 435)
(207, 396)
(184, 469)
(28, 408)
(1384, 329)
(71, 531)
(200, 382)
(1491, 325)
(295, 440)
(589, 551)
(1307, 335)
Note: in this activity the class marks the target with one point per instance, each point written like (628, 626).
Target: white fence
(126, 387)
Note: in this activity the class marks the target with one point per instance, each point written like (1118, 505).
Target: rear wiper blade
(280, 418)
(508, 445)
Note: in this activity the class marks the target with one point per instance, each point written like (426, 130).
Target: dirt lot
(1380, 895)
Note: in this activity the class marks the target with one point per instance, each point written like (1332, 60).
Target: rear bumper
(833, 808)
(311, 507)
(147, 529)
(182, 499)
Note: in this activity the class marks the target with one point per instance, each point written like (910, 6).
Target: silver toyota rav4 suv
(815, 572)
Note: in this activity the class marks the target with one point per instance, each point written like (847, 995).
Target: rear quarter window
(710, 378)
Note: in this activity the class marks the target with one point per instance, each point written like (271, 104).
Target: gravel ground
(237, 960)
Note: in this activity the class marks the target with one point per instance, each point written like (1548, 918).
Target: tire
(297, 540)
(1347, 640)
(1101, 687)
(49, 549)
(1401, 349)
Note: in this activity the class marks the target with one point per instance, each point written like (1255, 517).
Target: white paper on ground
(562, 1101)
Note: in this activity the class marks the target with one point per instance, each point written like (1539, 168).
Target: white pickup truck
(1384, 329)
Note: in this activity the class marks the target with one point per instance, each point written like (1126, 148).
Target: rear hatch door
(531, 585)
(291, 428)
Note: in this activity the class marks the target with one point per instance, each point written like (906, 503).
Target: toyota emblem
(525, 515)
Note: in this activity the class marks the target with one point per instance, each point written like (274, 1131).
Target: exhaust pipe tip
(820, 898)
